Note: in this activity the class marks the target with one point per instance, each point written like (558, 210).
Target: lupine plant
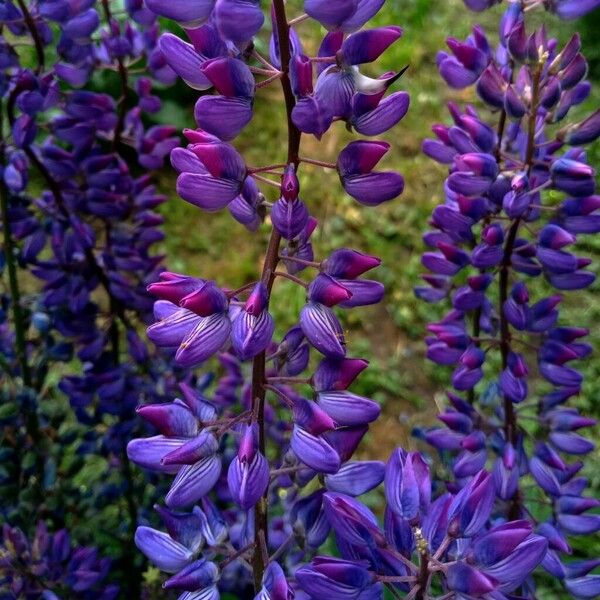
(78, 216)
(518, 197)
(254, 425)
(263, 475)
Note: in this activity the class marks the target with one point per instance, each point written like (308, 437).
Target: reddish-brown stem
(318, 163)
(298, 20)
(296, 280)
(265, 169)
(261, 524)
(37, 40)
(301, 261)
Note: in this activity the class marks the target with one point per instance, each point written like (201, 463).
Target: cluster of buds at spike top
(499, 230)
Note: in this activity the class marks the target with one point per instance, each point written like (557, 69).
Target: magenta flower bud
(174, 287)
(493, 235)
(170, 419)
(253, 328)
(214, 178)
(226, 115)
(258, 300)
(205, 301)
(337, 374)
(290, 186)
(480, 164)
(311, 417)
(407, 484)
(328, 291)
(368, 45)
(301, 75)
(349, 264)
(248, 475)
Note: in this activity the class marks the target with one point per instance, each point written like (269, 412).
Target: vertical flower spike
(253, 328)
(248, 475)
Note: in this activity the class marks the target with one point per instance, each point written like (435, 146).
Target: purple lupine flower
(347, 15)
(334, 577)
(355, 166)
(248, 474)
(253, 328)
(407, 485)
(226, 115)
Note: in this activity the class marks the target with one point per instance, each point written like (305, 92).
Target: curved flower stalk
(50, 567)
(499, 229)
(244, 459)
(87, 235)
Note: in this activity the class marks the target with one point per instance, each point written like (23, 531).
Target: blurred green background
(391, 334)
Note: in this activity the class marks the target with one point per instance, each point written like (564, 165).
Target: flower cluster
(50, 566)
(79, 214)
(497, 234)
(247, 461)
